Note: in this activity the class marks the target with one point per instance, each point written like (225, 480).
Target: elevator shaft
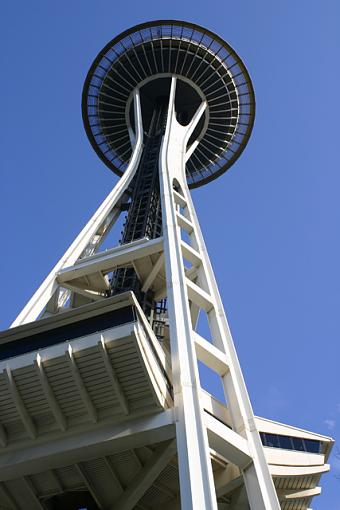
(144, 217)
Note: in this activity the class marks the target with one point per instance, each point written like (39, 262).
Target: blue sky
(271, 223)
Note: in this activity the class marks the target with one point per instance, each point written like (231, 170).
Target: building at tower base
(87, 419)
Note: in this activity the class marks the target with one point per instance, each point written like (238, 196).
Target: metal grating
(126, 466)
(131, 374)
(45, 483)
(70, 478)
(64, 388)
(95, 378)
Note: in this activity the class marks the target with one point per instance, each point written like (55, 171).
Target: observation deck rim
(188, 25)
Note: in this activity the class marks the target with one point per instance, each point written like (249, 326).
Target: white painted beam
(56, 480)
(36, 304)
(227, 480)
(210, 355)
(81, 386)
(107, 261)
(153, 273)
(84, 475)
(195, 470)
(239, 500)
(179, 199)
(299, 494)
(94, 296)
(161, 294)
(52, 304)
(113, 376)
(292, 471)
(114, 476)
(227, 442)
(191, 254)
(99, 237)
(194, 313)
(137, 459)
(145, 477)
(215, 407)
(184, 223)
(152, 338)
(3, 436)
(33, 492)
(8, 496)
(19, 404)
(50, 397)
(191, 149)
(91, 442)
(191, 273)
(199, 296)
(260, 488)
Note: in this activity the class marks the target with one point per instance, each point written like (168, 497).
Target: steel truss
(190, 287)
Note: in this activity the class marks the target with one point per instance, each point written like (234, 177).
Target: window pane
(272, 440)
(312, 446)
(286, 442)
(298, 444)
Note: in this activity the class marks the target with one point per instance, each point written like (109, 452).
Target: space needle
(100, 375)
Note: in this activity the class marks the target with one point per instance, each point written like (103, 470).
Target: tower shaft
(144, 218)
(158, 171)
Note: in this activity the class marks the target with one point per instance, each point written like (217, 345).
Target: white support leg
(259, 484)
(97, 226)
(194, 461)
(195, 471)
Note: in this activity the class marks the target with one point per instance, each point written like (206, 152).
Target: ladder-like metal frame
(190, 288)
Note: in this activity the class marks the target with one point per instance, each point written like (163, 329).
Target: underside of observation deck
(87, 421)
(146, 57)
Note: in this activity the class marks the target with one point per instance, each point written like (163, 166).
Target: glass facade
(291, 443)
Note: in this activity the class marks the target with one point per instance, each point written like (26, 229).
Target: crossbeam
(8, 496)
(33, 492)
(210, 355)
(107, 261)
(153, 273)
(227, 442)
(301, 494)
(3, 436)
(49, 394)
(199, 296)
(94, 493)
(191, 254)
(146, 476)
(184, 223)
(81, 386)
(22, 411)
(112, 376)
(87, 444)
(94, 231)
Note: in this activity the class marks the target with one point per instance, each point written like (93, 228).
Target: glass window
(298, 444)
(312, 446)
(272, 440)
(291, 443)
(286, 442)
